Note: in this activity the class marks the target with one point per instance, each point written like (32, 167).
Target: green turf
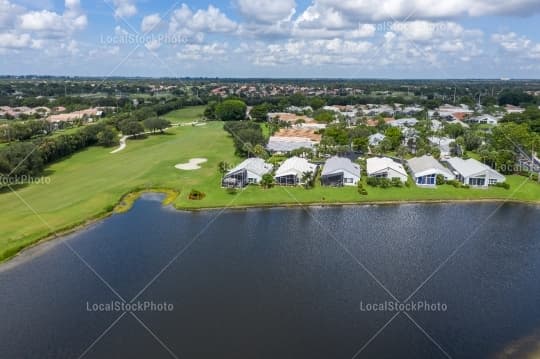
(188, 114)
(90, 182)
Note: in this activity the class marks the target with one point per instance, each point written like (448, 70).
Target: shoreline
(126, 202)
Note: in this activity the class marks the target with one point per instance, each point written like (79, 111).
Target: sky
(271, 38)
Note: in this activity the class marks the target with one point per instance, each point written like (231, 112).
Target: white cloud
(185, 22)
(153, 45)
(207, 52)
(310, 52)
(398, 10)
(150, 23)
(519, 46)
(363, 30)
(9, 13)
(15, 41)
(47, 21)
(41, 20)
(266, 11)
(124, 8)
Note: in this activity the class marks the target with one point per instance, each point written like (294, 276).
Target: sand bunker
(193, 164)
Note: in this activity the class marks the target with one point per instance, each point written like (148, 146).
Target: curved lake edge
(126, 202)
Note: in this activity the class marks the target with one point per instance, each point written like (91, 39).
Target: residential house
(484, 119)
(425, 170)
(443, 144)
(474, 173)
(404, 122)
(250, 171)
(384, 167)
(376, 139)
(340, 171)
(514, 109)
(287, 140)
(291, 172)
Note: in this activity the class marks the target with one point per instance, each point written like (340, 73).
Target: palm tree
(307, 179)
(224, 167)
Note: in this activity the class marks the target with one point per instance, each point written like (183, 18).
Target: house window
(493, 181)
(477, 182)
(427, 180)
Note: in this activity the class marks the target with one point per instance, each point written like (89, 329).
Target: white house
(404, 122)
(474, 173)
(384, 167)
(425, 170)
(484, 119)
(291, 171)
(340, 171)
(376, 139)
(250, 171)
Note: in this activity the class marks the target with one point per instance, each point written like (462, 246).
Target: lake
(281, 283)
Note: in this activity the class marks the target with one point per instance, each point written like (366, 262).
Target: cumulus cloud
(9, 13)
(15, 41)
(198, 52)
(310, 52)
(47, 21)
(389, 10)
(265, 11)
(124, 8)
(520, 46)
(153, 45)
(211, 20)
(150, 22)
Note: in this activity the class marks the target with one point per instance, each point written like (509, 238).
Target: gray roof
(253, 165)
(335, 164)
(470, 167)
(287, 146)
(422, 164)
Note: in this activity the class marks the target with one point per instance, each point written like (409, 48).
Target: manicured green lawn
(91, 182)
(188, 114)
(254, 196)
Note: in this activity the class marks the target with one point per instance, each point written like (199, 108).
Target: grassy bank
(91, 183)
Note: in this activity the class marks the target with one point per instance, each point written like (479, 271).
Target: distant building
(514, 109)
(340, 171)
(404, 122)
(484, 119)
(250, 171)
(376, 139)
(474, 173)
(443, 144)
(425, 170)
(287, 140)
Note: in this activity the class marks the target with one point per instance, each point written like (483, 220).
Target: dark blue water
(280, 283)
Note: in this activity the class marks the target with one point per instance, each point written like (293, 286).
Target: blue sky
(272, 38)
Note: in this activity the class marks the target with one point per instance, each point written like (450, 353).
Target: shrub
(373, 181)
(504, 185)
(196, 195)
(440, 180)
(232, 191)
(396, 182)
(385, 183)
